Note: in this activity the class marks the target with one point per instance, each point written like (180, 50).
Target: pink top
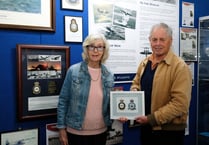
(93, 121)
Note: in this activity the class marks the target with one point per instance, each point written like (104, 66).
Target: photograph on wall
(52, 134)
(44, 66)
(30, 15)
(73, 29)
(20, 137)
(115, 134)
(41, 72)
(124, 17)
(187, 14)
(188, 44)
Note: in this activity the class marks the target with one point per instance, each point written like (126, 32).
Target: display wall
(9, 38)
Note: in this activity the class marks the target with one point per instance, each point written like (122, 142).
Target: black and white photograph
(103, 13)
(124, 17)
(20, 137)
(188, 44)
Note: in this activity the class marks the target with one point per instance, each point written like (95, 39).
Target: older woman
(83, 109)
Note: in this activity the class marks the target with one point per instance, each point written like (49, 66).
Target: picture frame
(52, 134)
(129, 104)
(41, 70)
(73, 29)
(28, 16)
(27, 136)
(188, 44)
(72, 5)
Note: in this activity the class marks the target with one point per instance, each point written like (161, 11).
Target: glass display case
(203, 81)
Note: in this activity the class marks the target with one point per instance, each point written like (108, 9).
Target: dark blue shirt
(146, 85)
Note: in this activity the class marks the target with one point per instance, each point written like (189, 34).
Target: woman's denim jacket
(74, 96)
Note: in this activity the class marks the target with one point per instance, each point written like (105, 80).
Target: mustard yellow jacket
(171, 93)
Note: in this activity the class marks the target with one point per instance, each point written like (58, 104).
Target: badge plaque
(41, 73)
(129, 104)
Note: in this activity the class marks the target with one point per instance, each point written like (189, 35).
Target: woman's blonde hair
(89, 40)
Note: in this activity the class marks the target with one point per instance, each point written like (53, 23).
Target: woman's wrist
(134, 89)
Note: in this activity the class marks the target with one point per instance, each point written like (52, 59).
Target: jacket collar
(167, 59)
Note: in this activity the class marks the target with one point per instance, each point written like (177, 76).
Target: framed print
(188, 44)
(73, 29)
(52, 134)
(129, 104)
(20, 137)
(41, 72)
(30, 15)
(72, 4)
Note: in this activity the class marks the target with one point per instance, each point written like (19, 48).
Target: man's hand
(142, 119)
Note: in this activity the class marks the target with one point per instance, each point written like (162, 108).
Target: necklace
(95, 74)
(96, 78)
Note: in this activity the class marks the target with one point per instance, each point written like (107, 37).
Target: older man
(167, 82)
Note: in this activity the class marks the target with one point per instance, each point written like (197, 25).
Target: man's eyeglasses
(98, 48)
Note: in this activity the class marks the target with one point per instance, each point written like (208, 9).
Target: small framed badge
(73, 29)
(129, 104)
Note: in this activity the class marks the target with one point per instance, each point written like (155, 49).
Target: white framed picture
(72, 4)
(73, 29)
(129, 104)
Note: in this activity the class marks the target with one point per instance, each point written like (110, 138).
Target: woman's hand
(134, 89)
(122, 119)
(63, 137)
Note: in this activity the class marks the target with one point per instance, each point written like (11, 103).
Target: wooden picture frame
(28, 16)
(17, 137)
(73, 29)
(72, 5)
(40, 75)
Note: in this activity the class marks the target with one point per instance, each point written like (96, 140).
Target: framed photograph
(20, 137)
(188, 44)
(40, 73)
(73, 29)
(129, 104)
(72, 4)
(30, 15)
(52, 134)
